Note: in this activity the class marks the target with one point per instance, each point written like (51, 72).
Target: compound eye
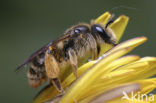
(77, 31)
(81, 29)
(98, 30)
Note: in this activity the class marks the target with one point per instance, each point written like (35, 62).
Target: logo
(133, 96)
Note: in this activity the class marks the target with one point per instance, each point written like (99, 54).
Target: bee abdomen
(35, 78)
(36, 74)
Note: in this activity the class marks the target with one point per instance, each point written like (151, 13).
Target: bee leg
(93, 45)
(94, 54)
(52, 71)
(57, 84)
(73, 61)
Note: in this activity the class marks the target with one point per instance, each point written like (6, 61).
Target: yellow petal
(146, 86)
(123, 61)
(119, 26)
(141, 87)
(151, 60)
(115, 75)
(127, 73)
(132, 42)
(115, 93)
(103, 18)
(103, 48)
(91, 76)
(145, 66)
(152, 67)
(45, 95)
(80, 70)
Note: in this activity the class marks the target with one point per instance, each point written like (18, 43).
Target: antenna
(123, 6)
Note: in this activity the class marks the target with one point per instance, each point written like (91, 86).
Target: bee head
(104, 32)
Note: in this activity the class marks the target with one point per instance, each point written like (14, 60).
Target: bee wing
(41, 50)
(32, 56)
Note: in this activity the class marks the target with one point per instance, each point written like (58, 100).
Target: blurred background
(26, 25)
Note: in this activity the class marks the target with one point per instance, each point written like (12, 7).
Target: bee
(77, 45)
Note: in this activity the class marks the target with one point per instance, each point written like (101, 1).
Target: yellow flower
(112, 78)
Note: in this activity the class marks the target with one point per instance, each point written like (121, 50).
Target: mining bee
(77, 45)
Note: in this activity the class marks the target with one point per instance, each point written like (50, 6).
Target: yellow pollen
(51, 48)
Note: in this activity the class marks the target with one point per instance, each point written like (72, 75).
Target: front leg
(73, 61)
(52, 71)
(93, 46)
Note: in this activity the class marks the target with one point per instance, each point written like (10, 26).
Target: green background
(26, 25)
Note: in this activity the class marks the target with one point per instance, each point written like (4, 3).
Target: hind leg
(52, 71)
(57, 84)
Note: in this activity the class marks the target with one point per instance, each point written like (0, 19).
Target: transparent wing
(32, 56)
